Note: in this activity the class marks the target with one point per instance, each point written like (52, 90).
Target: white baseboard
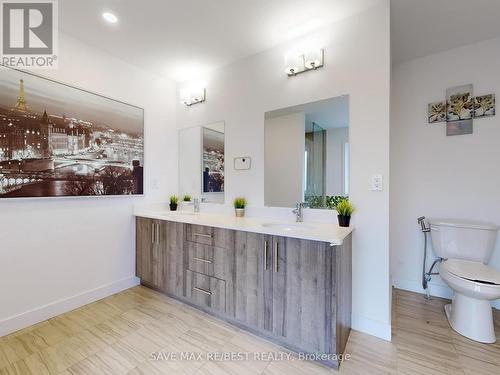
(39, 314)
(435, 289)
(371, 327)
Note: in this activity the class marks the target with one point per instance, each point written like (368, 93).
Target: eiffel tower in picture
(21, 100)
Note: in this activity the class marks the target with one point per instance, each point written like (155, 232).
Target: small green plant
(186, 198)
(174, 199)
(240, 202)
(344, 208)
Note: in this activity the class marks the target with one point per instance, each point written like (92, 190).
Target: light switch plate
(242, 163)
(154, 184)
(377, 182)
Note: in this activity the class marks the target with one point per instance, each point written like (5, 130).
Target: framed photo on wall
(58, 140)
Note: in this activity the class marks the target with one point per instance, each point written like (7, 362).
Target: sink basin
(287, 227)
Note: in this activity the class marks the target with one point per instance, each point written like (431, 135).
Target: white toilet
(467, 247)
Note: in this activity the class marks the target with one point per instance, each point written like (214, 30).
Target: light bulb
(192, 94)
(185, 95)
(294, 62)
(313, 58)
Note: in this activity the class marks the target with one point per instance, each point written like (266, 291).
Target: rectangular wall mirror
(202, 162)
(307, 154)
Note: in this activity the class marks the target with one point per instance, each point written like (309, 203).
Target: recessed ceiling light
(110, 17)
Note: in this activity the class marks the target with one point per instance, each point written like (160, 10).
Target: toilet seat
(474, 285)
(473, 279)
(472, 271)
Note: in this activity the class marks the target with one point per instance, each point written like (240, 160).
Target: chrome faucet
(299, 212)
(196, 203)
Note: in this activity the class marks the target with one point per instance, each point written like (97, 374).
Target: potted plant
(239, 206)
(186, 198)
(173, 202)
(344, 212)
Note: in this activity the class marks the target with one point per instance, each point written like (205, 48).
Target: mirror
(201, 162)
(307, 154)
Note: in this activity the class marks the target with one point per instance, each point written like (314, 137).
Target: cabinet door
(253, 283)
(172, 250)
(302, 293)
(279, 287)
(148, 257)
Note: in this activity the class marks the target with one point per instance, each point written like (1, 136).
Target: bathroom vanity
(289, 283)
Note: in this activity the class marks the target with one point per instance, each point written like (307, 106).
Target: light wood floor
(118, 334)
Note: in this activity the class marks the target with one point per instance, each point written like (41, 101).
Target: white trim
(39, 314)
(371, 327)
(435, 289)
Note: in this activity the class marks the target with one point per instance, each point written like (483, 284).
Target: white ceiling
(184, 38)
(423, 27)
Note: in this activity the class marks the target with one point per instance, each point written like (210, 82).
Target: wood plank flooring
(117, 336)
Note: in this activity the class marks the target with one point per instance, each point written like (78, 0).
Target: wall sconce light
(193, 95)
(297, 62)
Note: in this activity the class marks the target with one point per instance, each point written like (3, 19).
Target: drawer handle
(203, 235)
(202, 260)
(207, 292)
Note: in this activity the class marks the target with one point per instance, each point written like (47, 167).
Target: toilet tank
(463, 239)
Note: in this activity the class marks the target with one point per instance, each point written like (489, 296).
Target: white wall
(357, 63)
(435, 175)
(190, 162)
(284, 161)
(59, 253)
(335, 140)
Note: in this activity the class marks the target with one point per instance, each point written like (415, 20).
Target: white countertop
(324, 232)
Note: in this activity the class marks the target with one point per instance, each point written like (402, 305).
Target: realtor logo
(29, 33)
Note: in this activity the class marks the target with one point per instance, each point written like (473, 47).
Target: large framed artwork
(57, 140)
(212, 160)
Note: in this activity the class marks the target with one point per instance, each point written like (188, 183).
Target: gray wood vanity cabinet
(172, 249)
(149, 252)
(294, 292)
(209, 254)
(297, 291)
(253, 289)
(160, 255)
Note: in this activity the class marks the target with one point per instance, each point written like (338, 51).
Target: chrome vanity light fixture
(193, 95)
(300, 62)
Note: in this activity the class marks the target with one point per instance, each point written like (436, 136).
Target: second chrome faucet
(299, 212)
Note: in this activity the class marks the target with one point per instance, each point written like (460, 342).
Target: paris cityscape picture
(57, 140)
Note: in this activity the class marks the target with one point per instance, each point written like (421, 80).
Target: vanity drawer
(208, 260)
(209, 235)
(206, 291)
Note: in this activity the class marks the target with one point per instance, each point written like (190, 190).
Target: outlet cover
(377, 182)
